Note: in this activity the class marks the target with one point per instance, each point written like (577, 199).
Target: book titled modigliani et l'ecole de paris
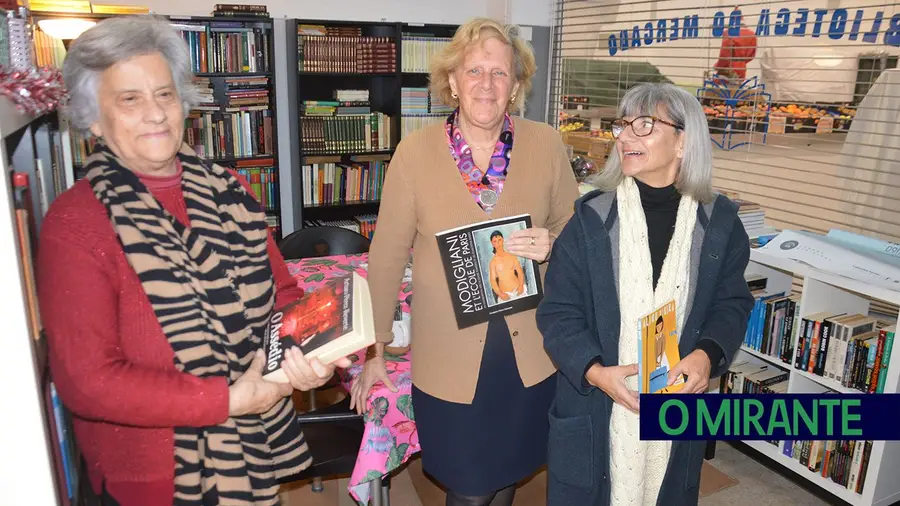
(485, 279)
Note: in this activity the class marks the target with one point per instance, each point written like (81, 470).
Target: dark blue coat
(579, 319)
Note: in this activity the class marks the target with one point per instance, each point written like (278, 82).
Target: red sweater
(111, 363)
(737, 52)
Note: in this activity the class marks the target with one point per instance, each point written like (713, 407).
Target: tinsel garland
(34, 91)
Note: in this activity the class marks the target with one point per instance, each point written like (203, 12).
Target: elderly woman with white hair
(157, 276)
(480, 393)
(654, 232)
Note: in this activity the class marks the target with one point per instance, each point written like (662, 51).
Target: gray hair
(114, 40)
(650, 99)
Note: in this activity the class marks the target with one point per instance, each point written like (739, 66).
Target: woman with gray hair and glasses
(157, 275)
(654, 232)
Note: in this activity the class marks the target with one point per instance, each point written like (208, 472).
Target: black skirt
(498, 439)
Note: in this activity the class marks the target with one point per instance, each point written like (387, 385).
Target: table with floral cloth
(390, 430)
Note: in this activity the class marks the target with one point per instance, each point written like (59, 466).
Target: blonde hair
(473, 32)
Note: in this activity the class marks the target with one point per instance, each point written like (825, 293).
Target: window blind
(802, 97)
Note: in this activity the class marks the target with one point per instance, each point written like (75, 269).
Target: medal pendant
(488, 197)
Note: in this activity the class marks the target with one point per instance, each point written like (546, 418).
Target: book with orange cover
(331, 322)
(658, 351)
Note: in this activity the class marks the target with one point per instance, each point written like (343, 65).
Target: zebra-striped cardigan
(111, 363)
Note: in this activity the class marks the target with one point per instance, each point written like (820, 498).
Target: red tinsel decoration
(34, 91)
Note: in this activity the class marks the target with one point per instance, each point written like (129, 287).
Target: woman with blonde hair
(481, 393)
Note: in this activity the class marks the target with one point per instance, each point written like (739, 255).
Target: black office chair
(314, 242)
(333, 432)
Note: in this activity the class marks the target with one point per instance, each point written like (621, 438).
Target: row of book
(770, 326)
(415, 101)
(342, 54)
(753, 378)
(241, 134)
(853, 350)
(263, 180)
(409, 124)
(226, 47)
(850, 349)
(417, 51)
(242, 93)
(845, 462)
(48, 51)
(362, 224)
(346, 133)
(334, 183)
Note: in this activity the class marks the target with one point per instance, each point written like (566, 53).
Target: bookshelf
(47, 468)
(823, 292)
(234, 124)
(361, 87)
(419, 43)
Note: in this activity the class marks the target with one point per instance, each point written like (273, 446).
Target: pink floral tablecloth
(391, 437)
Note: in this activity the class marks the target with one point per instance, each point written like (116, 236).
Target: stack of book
(240, 11)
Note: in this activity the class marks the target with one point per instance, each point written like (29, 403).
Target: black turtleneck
(660, 208)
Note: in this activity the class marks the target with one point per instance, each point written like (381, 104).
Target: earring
(455, 96)
(512, 99)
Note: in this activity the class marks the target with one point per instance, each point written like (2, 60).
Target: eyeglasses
(642, 126)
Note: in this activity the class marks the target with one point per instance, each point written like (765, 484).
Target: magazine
(658, 351)
(331, 322)
(484, 279)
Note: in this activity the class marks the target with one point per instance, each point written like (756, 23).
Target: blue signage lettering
(838, 24)
(718, 26)
(817, 25)
(833, 22)
(762, 26)
(892, 34)
(734, 23)
(857, 22)
(802, 18)
(784, 22)
(872, 35)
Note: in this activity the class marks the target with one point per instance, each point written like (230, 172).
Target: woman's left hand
(532, 243)
(307, 374)
(696, 367)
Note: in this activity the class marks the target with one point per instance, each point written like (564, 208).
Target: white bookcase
(823, 291)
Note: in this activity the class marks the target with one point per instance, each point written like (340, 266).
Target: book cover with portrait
(331, 322)
(485, 279)
(658, 351)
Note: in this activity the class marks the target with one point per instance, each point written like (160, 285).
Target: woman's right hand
(251, 394)
(374, 370)
(612, 381)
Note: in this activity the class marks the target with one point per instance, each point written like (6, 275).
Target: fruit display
(747, 117)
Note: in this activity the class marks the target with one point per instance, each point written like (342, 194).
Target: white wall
(588, 27)
(528, 12)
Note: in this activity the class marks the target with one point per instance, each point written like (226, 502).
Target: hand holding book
(696, 367)
(612, 381)
(531, 243)
(307, 374)
(251, 394)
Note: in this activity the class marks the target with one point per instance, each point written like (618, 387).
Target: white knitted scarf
(637, 467)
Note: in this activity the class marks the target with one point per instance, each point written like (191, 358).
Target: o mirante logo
(768, 416)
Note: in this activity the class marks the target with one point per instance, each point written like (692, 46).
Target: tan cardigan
(424, 194)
